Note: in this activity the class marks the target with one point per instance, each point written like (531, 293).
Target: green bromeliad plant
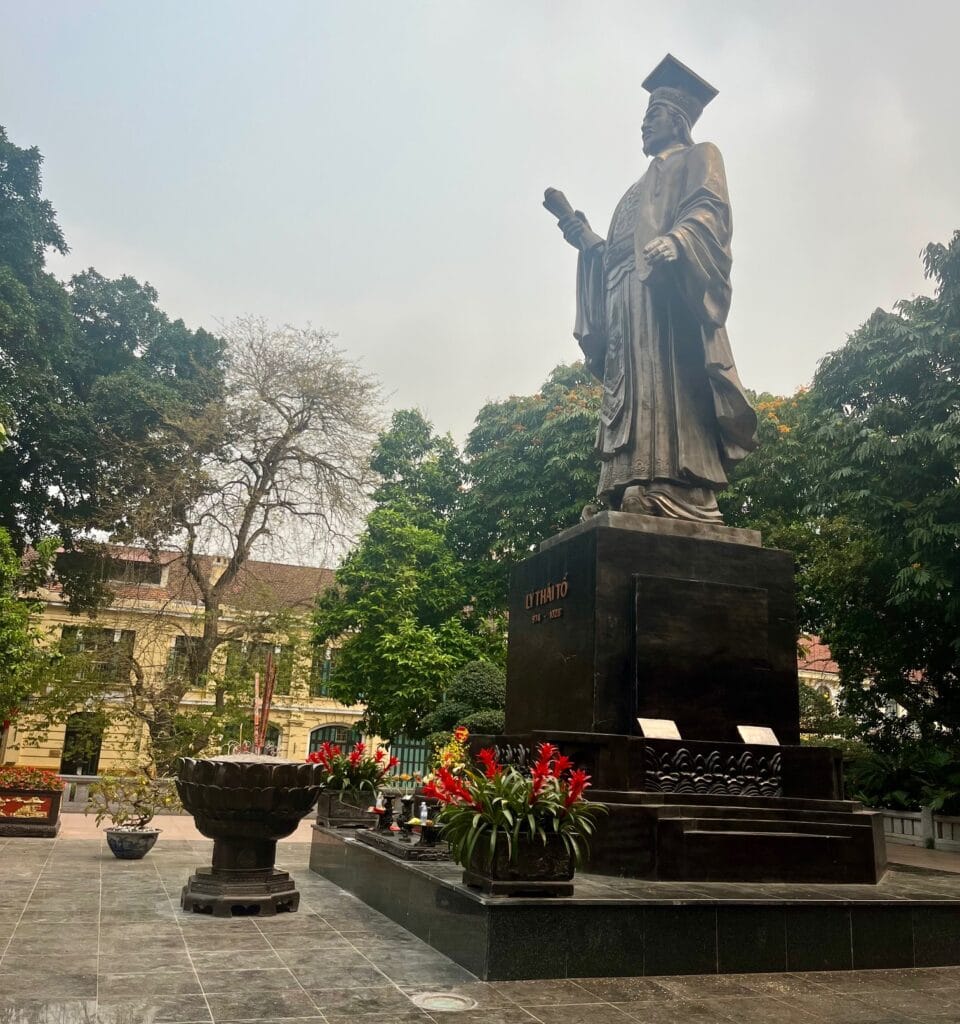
(501, 805)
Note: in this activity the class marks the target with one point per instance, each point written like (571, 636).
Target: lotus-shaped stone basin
(245, 803)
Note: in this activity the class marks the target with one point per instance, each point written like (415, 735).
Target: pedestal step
(755, 841)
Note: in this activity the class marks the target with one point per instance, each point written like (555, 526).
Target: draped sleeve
(702, 230)
(589, 326)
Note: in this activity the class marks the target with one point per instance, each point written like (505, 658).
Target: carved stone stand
(245, 803)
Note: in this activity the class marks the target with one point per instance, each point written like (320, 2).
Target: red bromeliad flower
(579, 780)
(488, 758)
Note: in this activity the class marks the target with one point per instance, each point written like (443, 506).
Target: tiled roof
(817, 657)
(265, 586)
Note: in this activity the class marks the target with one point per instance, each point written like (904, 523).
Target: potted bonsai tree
(29, 801)
(131, 802)
(516, 832)
(350, 784)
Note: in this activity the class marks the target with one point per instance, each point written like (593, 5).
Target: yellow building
(154, 613)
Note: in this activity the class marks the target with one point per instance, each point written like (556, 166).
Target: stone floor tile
(245, 1006)
(347, 1001)
(702, 986)
(42, 982)
(320, 975)
(624, 990)
(544, 993)
(669, 1011)
(492, 1015)
(247, 979)
(584, 1013)
(233, 959)
(161, 983)
(156, 1010)
(48, 1011)
(843, 1008)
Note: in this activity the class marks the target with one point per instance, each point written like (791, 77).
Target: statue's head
(677, 99)
(663, 125)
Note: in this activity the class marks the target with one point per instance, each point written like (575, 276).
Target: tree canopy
(95, 380)
(530, 470)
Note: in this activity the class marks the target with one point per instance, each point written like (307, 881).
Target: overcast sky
(377, 168)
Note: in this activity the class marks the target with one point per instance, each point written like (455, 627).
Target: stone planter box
(334, 812)
(539, 870)
(30, 812)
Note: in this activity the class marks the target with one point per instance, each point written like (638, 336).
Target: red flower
(379, 755)
(560, 765)
(579, 780)
(461, 733)
(488, 758)
(394, 761)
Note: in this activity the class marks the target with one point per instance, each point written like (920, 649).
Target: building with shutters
(153, 616)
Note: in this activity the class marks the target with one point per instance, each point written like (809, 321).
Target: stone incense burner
(245, 803)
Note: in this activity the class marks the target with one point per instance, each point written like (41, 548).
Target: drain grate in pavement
(449, 1002)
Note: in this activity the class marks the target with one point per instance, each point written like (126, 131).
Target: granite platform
(617, 927)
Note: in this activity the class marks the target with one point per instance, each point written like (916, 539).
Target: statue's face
(659, 129)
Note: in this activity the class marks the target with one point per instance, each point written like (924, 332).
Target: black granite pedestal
(627, 617)
(616, 927)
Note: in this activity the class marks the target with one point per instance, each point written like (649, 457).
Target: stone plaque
(659, 729)
(759, 734)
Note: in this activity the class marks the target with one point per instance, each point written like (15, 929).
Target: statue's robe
(674, 416)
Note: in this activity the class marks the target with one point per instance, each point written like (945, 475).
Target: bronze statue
(652, 301)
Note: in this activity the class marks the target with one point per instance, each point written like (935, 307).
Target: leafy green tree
(531, 469)
(96, 382)
(474, 697)
(400, 610)
(22, 654)
(417, 466)
(399, 614)
(888, 409)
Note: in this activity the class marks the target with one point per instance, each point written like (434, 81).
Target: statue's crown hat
(676, 85)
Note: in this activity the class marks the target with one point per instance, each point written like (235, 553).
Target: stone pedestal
(628, 617)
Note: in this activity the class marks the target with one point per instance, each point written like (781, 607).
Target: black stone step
(774, 826)
(643, 796)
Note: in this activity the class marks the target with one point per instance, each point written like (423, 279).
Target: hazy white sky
(377, 168)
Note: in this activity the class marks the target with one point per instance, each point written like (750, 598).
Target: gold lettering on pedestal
(550, 594)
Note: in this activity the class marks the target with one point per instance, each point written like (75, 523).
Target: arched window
(344, 736)
(81, 744)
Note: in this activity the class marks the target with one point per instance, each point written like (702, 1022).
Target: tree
(95, 380)
(474, 697)
(859, 478)
(530, 470)
(400, 609)
(280, 462)
(417, 466)
(22, 655)
(888, 405)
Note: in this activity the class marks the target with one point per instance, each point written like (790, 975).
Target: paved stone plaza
(87, 939)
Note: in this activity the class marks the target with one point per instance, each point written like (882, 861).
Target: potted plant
(350, 784)
(29, 801)
(130, 802)
(516, 832)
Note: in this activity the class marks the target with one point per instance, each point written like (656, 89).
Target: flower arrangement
(131, 802)
(500, 804)
(15, 776)
(355, 771)
(452, 755)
